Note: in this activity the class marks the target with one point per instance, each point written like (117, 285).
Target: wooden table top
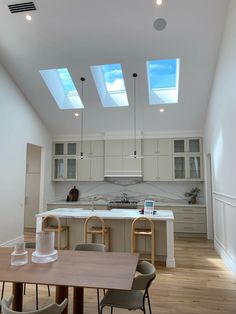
(111, 270)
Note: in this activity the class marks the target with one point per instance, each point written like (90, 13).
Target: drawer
(189, 217)
(194, 210)
(189, 227)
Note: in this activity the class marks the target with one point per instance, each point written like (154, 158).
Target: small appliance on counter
(73, 195)
(149, 207)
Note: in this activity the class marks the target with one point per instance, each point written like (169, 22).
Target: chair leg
(24, 288)
(98, 301)
(111, 309)
(149, 304)
(37, 296)
(3, 286)
(49, 293)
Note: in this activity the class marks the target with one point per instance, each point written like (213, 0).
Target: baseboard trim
(227, 259)
(12, 242)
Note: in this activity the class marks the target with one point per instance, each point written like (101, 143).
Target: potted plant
(193, 195)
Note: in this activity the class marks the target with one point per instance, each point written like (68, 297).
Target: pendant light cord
(82, 116)
(135, 136)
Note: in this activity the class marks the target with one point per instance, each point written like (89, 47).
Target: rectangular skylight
(110, 85)
(62, 88)
(163, 81)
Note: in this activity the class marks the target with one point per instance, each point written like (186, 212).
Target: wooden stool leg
(153, 248)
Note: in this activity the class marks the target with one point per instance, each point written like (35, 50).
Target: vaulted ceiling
(79, 33)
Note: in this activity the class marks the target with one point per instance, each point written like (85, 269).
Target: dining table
(77, 269)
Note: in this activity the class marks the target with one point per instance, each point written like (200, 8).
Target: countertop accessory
(19, 256)
(148, 207)
(192, 195)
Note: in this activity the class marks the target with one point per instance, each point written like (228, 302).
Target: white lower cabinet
(158, 168)
(190, 219)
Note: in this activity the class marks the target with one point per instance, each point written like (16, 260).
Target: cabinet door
(164, 146)
(179, 146)
(97, 148)
(71, 148)
(128, 147)
(179, 167)
(71, 168)
(85, 147)
(194, 164)
(150, 168)
(59, 168)
(165, 168)
(84, 167)
(194, 145)
(59, 149)
(97, 169)
(149, 147)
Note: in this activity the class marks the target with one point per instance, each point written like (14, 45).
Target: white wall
(19, 125)
(219, 141)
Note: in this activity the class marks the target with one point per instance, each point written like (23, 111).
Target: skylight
(62, 88)
(110, 85)
(163, 81)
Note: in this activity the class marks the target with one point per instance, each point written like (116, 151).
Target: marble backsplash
(135, 189)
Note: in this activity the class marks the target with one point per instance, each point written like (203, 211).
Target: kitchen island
(119, 220)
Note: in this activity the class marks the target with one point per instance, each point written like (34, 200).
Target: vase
(193, 200)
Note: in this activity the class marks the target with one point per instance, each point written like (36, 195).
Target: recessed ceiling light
(162, 110)
(159, 24)
(28, 17)
(76, 114)
(159, 2)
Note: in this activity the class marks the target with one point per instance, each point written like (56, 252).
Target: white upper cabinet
(68, 167)
(152, 147)
(119, 160)
(187, 159)
(158, 164)
(91, 168)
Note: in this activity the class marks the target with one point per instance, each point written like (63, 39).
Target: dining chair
(98, 247)
(136, 297)
(147, 230)
(49, 309)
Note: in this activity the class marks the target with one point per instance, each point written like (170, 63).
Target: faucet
(124, 197)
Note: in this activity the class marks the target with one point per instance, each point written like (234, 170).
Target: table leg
(61, 294)
(170, 258)
(17, 291)
(78, 300)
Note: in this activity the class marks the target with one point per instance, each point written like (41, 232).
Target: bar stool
(97, 230)
(58, 229)
(148, 231)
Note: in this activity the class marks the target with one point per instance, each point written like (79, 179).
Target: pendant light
(82, 121)
(135, 156)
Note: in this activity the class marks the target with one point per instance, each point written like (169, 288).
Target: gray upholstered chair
(50, 309)
(98, 247)
(136, 298)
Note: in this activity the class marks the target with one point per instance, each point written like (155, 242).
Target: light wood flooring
(200, 284)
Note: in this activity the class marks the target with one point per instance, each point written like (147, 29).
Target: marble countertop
(115, 213)
(140, 204)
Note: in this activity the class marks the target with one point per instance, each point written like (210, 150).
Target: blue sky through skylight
(61, 86)
(163, 81)
(110, 85)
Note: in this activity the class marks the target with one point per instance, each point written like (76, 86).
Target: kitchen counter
(119, 220)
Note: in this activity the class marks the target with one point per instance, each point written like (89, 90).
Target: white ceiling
(79, 33)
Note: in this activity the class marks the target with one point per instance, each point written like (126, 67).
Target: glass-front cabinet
(187, 159)
(64, 161)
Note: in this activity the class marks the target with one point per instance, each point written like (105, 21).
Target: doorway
(209, 202)
(32, 189)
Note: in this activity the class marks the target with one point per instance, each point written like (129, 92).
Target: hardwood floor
(200, 284)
